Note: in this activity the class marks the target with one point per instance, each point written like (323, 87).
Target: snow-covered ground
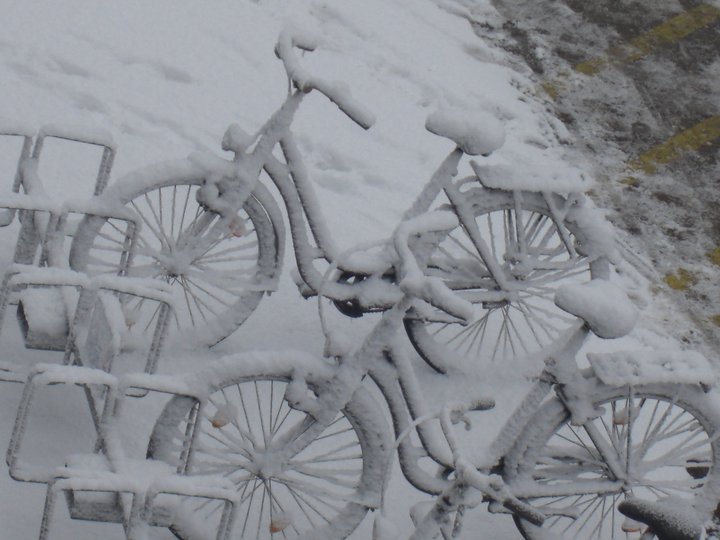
(166, 77)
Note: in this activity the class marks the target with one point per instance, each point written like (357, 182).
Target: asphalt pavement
(637, 84)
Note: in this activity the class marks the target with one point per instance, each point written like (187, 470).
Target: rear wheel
(246, 423)
(663, 438)
(537, 253)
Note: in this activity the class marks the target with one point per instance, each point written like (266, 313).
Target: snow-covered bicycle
(213, 231)
(307, 444)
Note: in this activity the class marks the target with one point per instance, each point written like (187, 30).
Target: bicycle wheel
(323, 492)
(218, 267)
(534, 253)
(663, 437)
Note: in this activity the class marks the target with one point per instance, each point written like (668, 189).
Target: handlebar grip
(338, 93)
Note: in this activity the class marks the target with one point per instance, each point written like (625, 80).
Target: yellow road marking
(714, 256)
(682, 280)
(667, 33)
(691, 139)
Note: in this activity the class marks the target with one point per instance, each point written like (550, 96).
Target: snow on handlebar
(467, 473)
(338, 93)
(412, 279)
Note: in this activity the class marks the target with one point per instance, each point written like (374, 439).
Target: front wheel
(322, 492)
(537, 252)
(218, 267)
(662, 438)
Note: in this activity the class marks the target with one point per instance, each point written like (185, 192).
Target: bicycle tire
(677, 455)
(509, 329)
(340, 474)
(216, 291)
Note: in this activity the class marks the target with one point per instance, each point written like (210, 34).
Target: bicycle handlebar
(338, 93)
(413, 281)
(467, 473)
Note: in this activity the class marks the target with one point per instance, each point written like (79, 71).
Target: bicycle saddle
(668, 519)
(604, 307)
(475, 133)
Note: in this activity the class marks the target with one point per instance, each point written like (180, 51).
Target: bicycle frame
(304, 211)
(388, 365)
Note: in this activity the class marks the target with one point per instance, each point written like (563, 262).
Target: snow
(519, 170)
(142, 287)
(102, 207)
(30, 202)
(412, 280)
(475, 134)
(337, 92)
(164, 79)
(652, 366)
(169, 384)
(52, 373)
(45, 316)
(605, 307)
(84, 134)
(23, 274)
(671, 516)
(16, 128)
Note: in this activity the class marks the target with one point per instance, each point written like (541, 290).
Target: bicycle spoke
(346, 430)
(332, 476)
(256, 484)
(302, 503)
(196, 300)
(158, 220)
(262, 506)
(150, 226)
(208, 293)
(183, 214)
(231, 444)
(655, 440)
(304, 490)
(260, 415)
